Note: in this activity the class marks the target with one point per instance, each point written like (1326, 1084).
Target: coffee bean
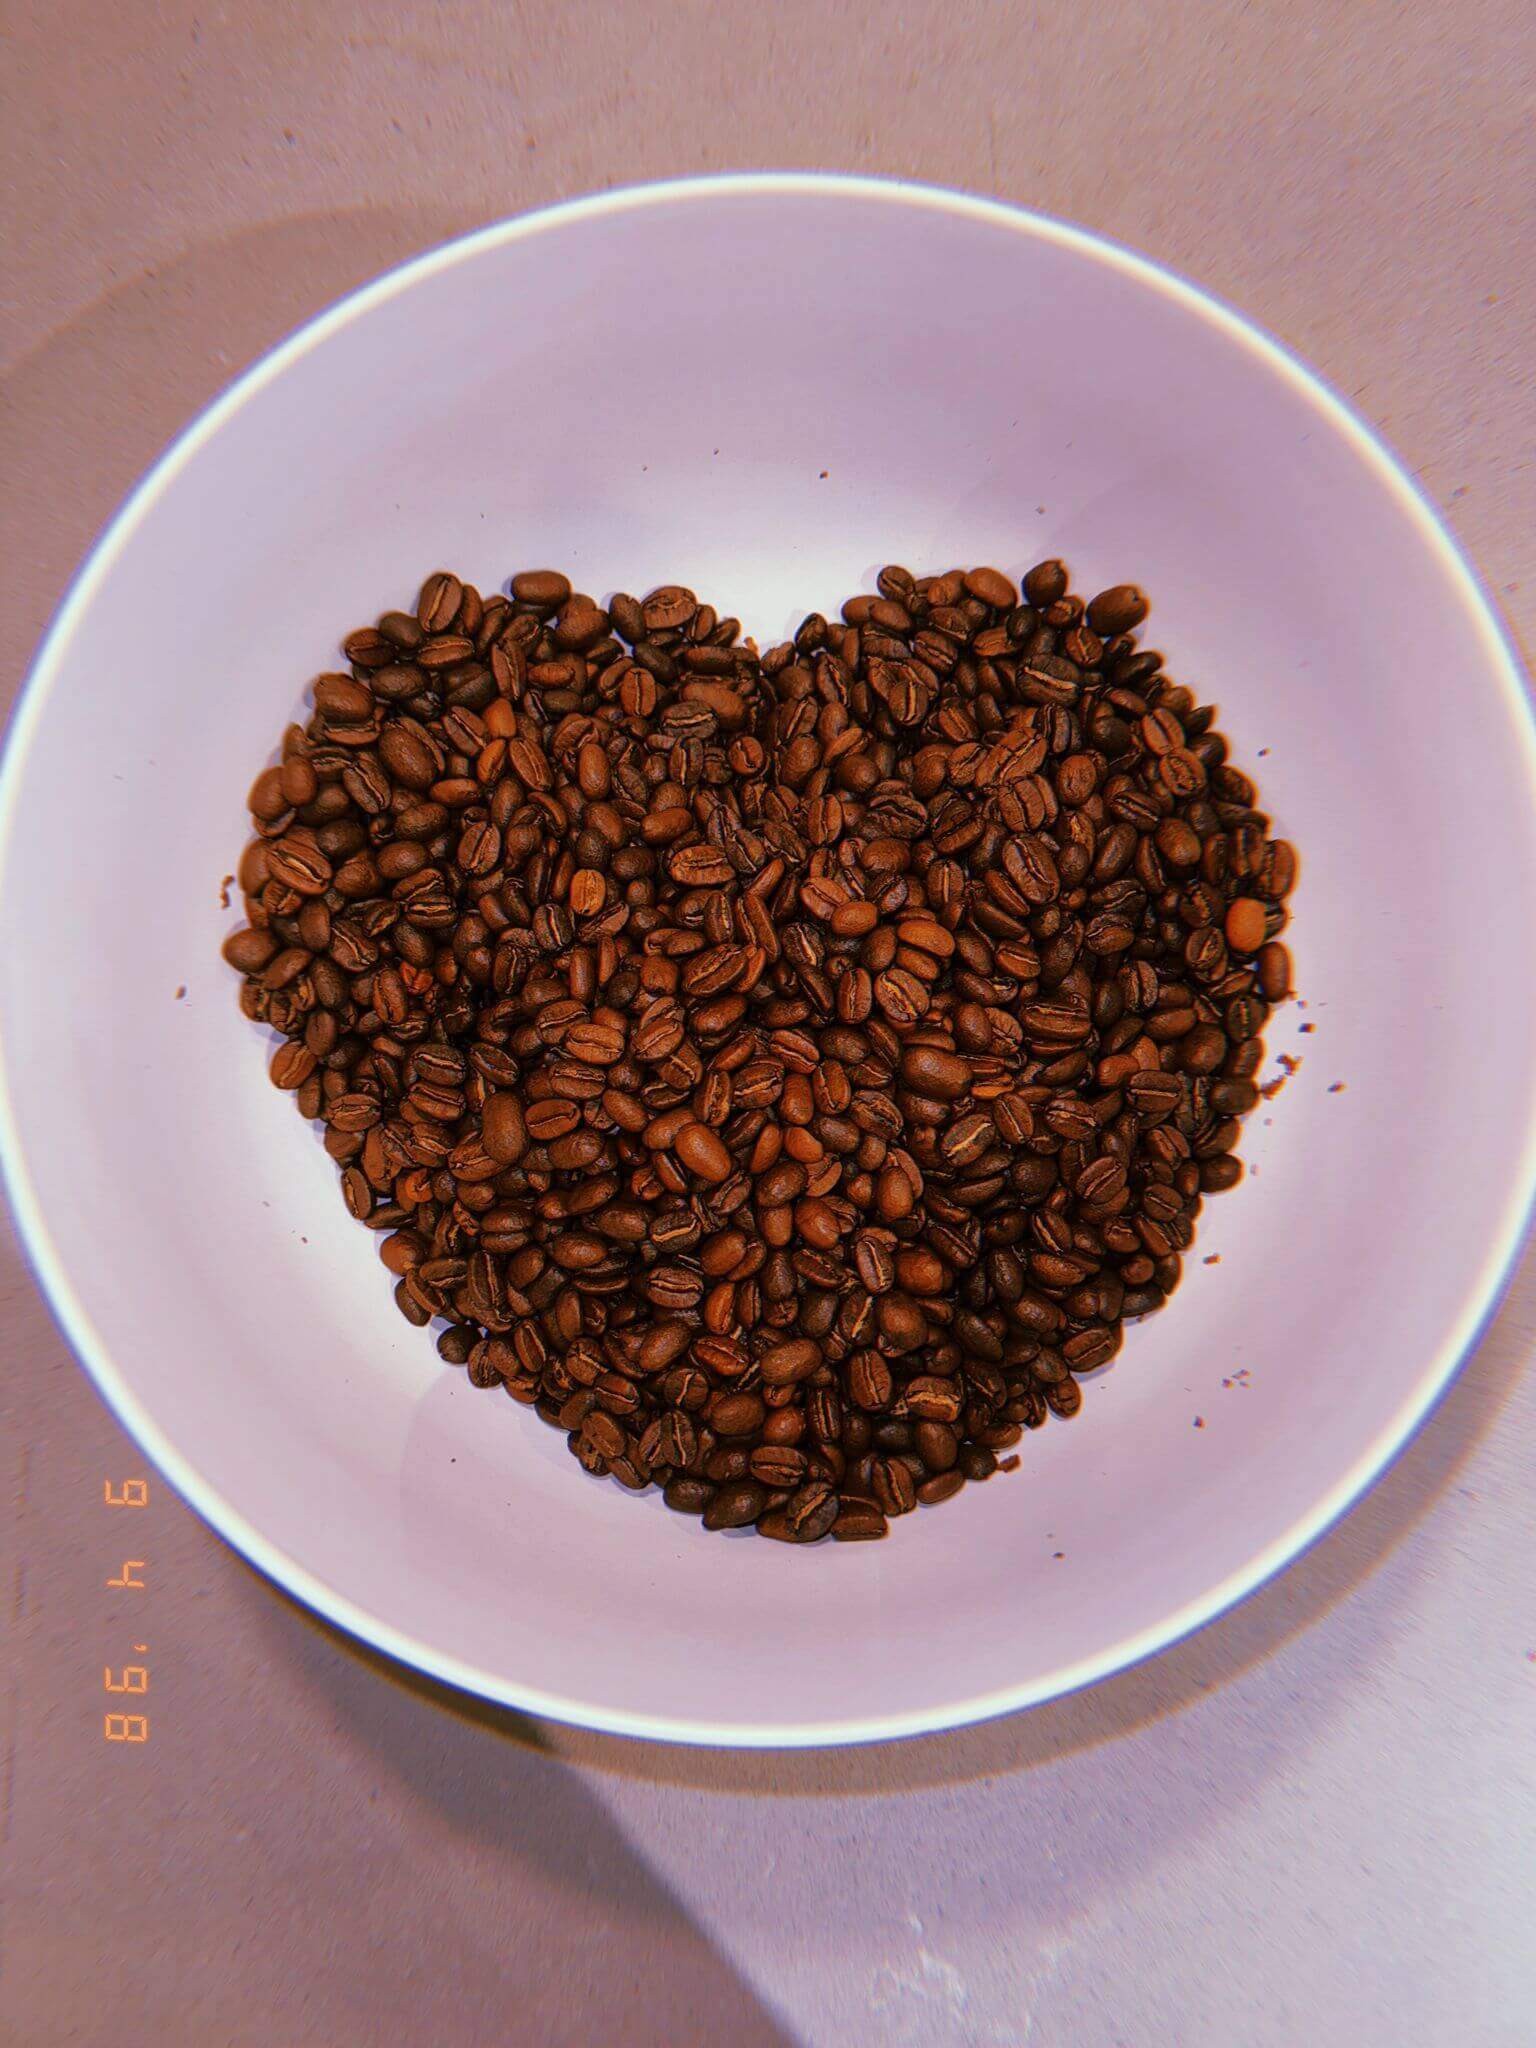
(812, 1511)
(779, 1467)
(901, 995)
(1119, 609)
(1274, 964)
(1219, 1174)
(1246, 924)
(551, 1119)
(992, 588)
(438, 605)
(456, 1344)
(544, 589)
(736, 1415)
(701, 1151)
(1277, 871)
(668, 607)
(967, 1139)
(292, 1065)
(700, 867)
(688, 1496)
(783, 1365)
(504, 1129)
(787, 1072)
(248, 952)
(934, 1400)
(870, 1385)
(858, 1521)
(1045, 584)
(1233, 1097)
(929, 1070)
(780, 1184)
(1087, 1349)
(937, 1445)
(736, 1506)
(893, 1487)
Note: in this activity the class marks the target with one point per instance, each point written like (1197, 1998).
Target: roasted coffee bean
(937, 1445)
(858, 1520)
(783, 1073)
(992, 588)
(934, 1400)
(688, 1496)
(930, 1070)
(249, 951)
(701, 1151)
(543, 589)
(1274, 965)
(1045, 584)
(978, 1462)
(736, 1505)
(1246, 924)
(786, 1364)
(1117, 610)
(893, 1487)
(811, 1511)
(1219, 1174)
(779, 1467)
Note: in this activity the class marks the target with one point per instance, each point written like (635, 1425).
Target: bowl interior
(767, 390)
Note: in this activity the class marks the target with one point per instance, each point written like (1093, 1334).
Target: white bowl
(769, 386)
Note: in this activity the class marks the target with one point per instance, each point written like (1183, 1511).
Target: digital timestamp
(130, 1680)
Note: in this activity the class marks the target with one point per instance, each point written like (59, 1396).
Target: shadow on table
(595, 1942)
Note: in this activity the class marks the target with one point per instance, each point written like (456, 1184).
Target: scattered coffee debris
(1289, 1064)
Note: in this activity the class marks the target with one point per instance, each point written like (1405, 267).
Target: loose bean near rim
(783, 1072)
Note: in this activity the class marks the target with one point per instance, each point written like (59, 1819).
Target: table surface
(1312, 1822)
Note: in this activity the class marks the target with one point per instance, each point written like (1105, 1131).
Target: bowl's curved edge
(1483, 1296)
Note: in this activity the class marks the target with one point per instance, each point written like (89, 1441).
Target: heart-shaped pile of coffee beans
(785, 1072)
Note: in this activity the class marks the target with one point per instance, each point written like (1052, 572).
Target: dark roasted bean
(858, 1520)
(542, 588)
(894, 1490)
(736, 1505)
(1117, 610)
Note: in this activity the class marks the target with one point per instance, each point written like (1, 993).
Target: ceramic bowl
(768, 386)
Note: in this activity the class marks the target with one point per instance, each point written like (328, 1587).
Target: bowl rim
(1483, 1292)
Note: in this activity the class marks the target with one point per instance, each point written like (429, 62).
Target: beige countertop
(1311, 1822)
